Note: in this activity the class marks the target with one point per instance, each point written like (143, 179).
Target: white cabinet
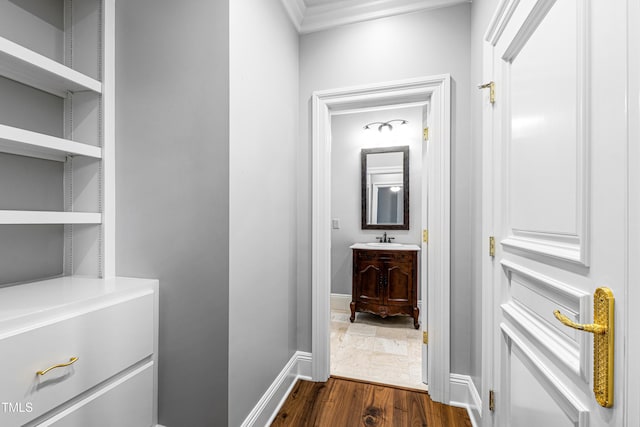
(108, 326)
(96, 332)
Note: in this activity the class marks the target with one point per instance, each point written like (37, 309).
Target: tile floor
(375, 349)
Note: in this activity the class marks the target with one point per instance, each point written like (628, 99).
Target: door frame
(437, 91)
(632, 344)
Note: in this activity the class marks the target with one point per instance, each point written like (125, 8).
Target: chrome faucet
(384, 238)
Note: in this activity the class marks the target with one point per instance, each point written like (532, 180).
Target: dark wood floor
(348, 403)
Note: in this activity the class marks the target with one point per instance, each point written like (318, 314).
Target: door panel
(533, 298)
(543, 147)
(543, 82)
(537, 396)
(557, 163)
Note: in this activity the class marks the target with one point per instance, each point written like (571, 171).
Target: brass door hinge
(492, 91)
(425, 236)
(425, 133)
(492, 246)
(425, 337)
(492, 400)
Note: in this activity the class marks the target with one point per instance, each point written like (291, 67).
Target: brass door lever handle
(590, 327)
(603, 328)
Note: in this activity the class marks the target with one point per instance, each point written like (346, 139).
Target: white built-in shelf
(30, 68)
(49, 217)
(34, 144)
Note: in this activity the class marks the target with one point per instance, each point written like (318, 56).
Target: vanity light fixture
(385, 126)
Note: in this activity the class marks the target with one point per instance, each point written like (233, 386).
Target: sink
(384, 245)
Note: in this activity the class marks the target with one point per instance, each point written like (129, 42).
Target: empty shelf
(48, 217)
(34, 144)
(30, 68)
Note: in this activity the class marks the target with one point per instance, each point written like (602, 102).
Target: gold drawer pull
(61, 365)
(603, 328)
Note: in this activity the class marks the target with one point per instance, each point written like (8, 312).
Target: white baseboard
(298, 367)
(464, 394)
(341, 302)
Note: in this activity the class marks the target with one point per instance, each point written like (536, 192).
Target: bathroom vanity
(385, 280)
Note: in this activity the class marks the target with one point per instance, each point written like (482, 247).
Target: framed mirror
(385, 188)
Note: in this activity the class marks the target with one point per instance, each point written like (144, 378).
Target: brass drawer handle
(61, 365)
(603, 328)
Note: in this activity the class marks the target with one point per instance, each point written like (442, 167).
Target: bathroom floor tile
(392, 333)
(361, 329)
(339, 316)
(394, 346)
(357, 342)
(387, 351)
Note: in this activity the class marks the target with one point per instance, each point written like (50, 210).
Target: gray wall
(418, 44)
(172, 157)
(262, 205)
(30, 252)
(347, 139)
(35, 24)
(481, 13)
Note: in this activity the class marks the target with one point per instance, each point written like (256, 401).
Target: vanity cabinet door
(399, 284)
(368, 281)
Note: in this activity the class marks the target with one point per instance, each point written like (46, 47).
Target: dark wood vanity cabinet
(385, 283)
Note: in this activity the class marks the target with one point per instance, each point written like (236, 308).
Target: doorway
(376, 347)
(435, 256)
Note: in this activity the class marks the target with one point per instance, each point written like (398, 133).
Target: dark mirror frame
(405, 175)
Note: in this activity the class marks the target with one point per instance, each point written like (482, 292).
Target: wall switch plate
(335, 223)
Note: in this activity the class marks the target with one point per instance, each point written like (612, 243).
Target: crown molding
(308, 19)
(296, 10)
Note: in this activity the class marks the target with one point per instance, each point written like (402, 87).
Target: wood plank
(344, 402)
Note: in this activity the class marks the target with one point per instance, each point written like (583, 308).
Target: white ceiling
(317, 2)
(315, 15)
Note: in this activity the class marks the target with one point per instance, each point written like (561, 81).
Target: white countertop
(62, 293)
(374, 246)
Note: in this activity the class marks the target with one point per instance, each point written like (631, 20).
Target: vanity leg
(353, 311)
(416, 317)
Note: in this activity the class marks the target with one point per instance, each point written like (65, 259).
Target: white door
(556, 186)
(424, 265)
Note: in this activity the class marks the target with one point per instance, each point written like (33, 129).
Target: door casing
(435, 90)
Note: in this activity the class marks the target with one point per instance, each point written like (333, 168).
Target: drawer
(369, 255)
(106, 340)
(127, 402)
